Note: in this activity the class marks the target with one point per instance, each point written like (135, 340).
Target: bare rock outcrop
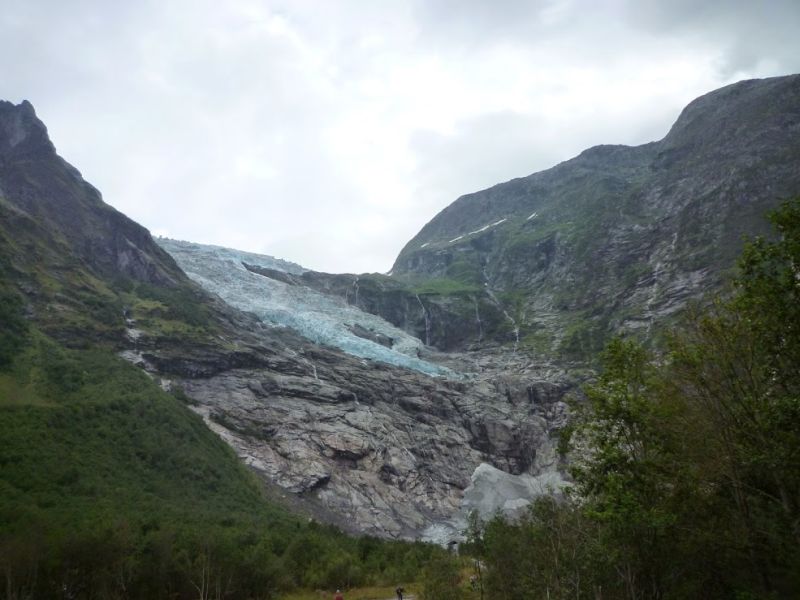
(386, 450)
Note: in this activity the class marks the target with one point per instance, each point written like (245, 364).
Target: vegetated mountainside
(110, 486)
(373, 447)
(618, 238)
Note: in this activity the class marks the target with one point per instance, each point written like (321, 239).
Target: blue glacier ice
(323, 319)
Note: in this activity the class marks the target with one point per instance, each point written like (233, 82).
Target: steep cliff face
(388, 451)
(621, 237)
(42, 194)
(66, 248)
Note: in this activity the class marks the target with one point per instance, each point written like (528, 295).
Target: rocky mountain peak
(619, 237)
(21, 131)
(44, 197)
(742, 112)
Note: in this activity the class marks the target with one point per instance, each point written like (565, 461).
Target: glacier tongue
(321, 318)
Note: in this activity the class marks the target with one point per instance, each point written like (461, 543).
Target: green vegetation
(686, 466)
(14, 327)
(357, 593)
(583, 338)
(444, 286)
(112, 488)
(179, 303)
(442, 579)
(537, 341)
(527, 240)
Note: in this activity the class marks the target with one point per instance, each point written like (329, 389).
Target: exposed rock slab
(388, 450)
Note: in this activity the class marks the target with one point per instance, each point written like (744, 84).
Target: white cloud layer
(328, 133)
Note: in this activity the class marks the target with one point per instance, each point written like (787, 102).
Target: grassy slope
(87, 437)
(110, 486)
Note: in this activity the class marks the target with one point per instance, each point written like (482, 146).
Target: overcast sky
(329, 132)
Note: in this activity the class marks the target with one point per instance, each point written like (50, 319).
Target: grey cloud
(203, 119)
(747, 32)
(682, 14)
(472, 16)
(481, 152)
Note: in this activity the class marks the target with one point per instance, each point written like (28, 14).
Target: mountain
(395, 404)
(616, 239)
(516, 283)
(370, 442)
(45, 199)
(59, 238)
(388, 435)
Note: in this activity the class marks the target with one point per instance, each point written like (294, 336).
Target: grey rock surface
(380, 449)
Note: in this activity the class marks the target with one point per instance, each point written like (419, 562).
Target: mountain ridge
(371, 447)
(614, 240)
(691, 117)
(525, 281)
(39, 181)
(620, 226)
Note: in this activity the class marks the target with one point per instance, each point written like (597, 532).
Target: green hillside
(110, 487)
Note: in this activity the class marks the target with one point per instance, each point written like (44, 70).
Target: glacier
(494, 492)
(321, 318)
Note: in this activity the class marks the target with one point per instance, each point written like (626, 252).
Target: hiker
(473, 582)
(399, 591)
(338, 595)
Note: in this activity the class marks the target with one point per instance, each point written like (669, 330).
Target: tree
(440, 579)
(474, 543)
(623, 465)
(738, 367)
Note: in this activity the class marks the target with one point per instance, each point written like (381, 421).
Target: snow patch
(443, 533)
(485, 227)
(482, 229)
